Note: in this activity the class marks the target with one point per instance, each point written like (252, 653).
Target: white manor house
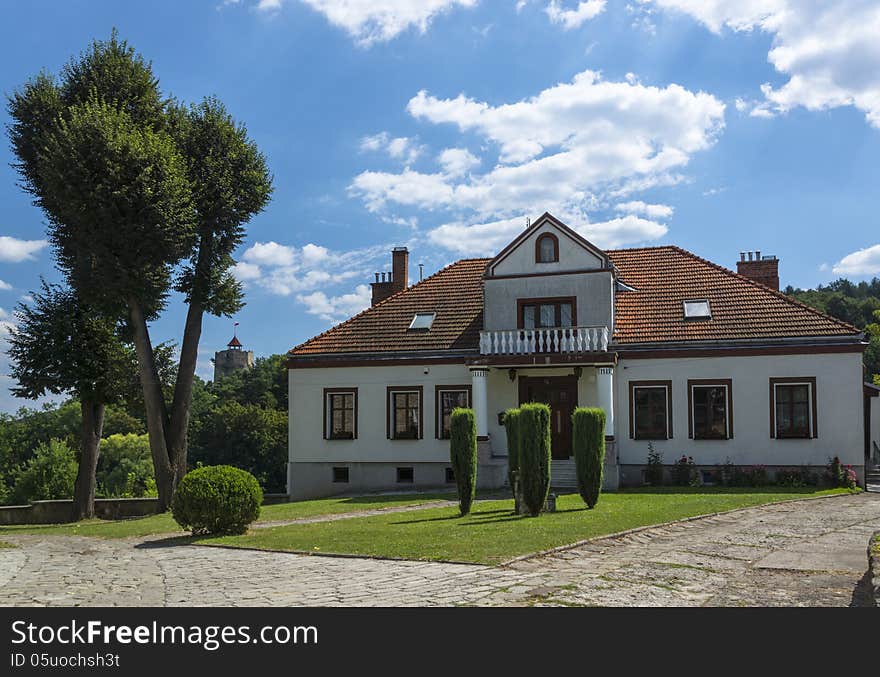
(681, 353)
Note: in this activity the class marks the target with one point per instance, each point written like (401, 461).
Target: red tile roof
(455, 293)
(662, 277)
(741, 308)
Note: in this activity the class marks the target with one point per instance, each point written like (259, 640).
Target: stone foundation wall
(59, 512)
(634, 475)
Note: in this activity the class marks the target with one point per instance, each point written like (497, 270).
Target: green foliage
(654, 467)
(246, 436)
(217, 499)
(125, 467)
(802, 477)
(49, 474)
(588, 444)
(264, 385)
(511, 427)
(463, 455)
(60, 345)
(839, 475)
(685, 473)
(534, 458)
(857, 304)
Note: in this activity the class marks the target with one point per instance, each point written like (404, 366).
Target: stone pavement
(800, 553)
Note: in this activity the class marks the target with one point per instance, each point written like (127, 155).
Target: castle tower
(233, 359)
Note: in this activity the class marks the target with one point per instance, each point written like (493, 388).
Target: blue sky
(720, 126)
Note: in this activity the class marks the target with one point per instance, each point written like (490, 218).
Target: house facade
(682, 354)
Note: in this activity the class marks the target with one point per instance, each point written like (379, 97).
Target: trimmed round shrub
(511, 426)
(217, 499)
(463, 455)
(588, 442)
(534, 456)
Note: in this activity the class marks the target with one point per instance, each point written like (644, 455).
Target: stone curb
(635, 530)
(874, 566)
(343, 555)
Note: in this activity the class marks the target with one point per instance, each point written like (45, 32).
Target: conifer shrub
(217, 499)
(534, 456)
(588, 442)
(463, 455)
(511, 425)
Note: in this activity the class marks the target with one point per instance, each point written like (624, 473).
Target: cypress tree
(463, 455)
(534, 456)
(588, 441)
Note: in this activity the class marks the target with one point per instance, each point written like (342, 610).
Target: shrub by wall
(463, 455)
(511, 426)
(217, 499)
(49, 474)
(534, 456)
(588, 443)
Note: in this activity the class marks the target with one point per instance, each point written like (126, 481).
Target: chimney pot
(742, 256)
(764, 270)
(757, 255)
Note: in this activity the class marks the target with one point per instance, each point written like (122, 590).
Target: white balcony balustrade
(562, 340)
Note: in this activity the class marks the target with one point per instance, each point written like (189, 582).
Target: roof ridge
(770, 290)
(640, 249)
(381, 303)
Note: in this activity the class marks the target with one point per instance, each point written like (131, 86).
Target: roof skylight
(422, 321)
(697, 309)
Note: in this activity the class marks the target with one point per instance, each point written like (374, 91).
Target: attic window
(422, 321)
(697, 309)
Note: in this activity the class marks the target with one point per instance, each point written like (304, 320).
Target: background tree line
(240, 420)
(855, 303)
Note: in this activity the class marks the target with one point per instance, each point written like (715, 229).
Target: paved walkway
(802, 553)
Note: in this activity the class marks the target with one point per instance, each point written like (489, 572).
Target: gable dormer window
(547, 249)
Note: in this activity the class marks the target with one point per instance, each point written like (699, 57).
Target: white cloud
(371, 21)
(13, 250)
(5, 286)
(652, 210)
(334, 308)
(457, 161)
(829, 50)
(862, 262)
(398, 148)
(284, 270)
(570, 148)
(622, 231)
(574, 18)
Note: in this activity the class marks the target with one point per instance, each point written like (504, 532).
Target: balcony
(555, 340)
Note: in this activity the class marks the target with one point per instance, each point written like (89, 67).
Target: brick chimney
(762, 269)
(397, 280)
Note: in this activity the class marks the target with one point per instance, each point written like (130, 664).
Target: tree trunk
(84, 490)
(154, 405)
(178, 426)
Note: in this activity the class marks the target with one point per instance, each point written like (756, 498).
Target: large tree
(61, 346)
(134, 185)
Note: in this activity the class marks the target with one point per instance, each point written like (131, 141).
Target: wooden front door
(560, 392)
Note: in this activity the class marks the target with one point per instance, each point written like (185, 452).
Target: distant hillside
(858, 304)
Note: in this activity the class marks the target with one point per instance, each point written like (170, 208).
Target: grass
(165, 524)
(492, 534)
(4, 544)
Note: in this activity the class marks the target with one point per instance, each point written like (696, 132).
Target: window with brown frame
(448, 398)
(546, 248)
(793, 408)
(710, 409)
(340, 413)
(650, 410)
(405, 413)
(547, 313)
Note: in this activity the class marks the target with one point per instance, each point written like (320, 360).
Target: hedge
(463, 455)
(217, 499)
(534, 456)
(588, 442)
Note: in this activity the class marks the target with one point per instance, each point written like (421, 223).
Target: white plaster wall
(839, 409)
(306, 418)
(572, 256)
(593, 291)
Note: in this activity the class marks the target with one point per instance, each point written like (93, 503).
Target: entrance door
(560, 392)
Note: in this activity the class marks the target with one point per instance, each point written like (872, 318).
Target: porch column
(605, 392)
(480, 394)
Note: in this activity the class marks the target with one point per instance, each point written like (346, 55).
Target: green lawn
(4, 544)
(165, 524)
(492, 534)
